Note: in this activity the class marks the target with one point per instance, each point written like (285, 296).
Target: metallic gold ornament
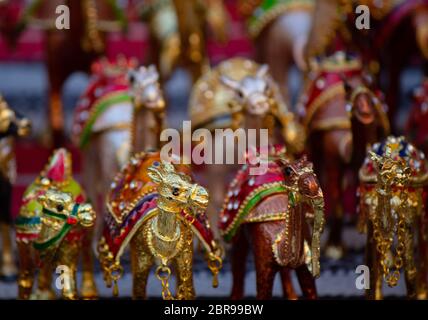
(392, 180)
(157, 210)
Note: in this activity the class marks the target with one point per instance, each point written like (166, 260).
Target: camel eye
(288, 171)
(175, 191)
(59, 208)
(240, 94)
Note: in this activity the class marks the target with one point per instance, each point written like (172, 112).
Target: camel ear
(230, 83)
(168, 167)
(155, 174)
(374, 157)
(263, 70)
(154, 72)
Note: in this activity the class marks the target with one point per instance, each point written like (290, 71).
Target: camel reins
(70, 220)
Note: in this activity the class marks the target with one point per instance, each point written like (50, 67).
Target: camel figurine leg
(334, 197)
(266, 266)
(141, 263)
(239, 254)
(26, 271)
(265, 274)
(307, 282)
(184, 269)
(372, 262)
(44, 283)
(287, 284)
(68, 255)
(8, 268)
(89, 289)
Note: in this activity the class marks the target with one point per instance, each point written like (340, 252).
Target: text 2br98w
(224, 309)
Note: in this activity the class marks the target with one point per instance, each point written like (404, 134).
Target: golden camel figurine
(61, 215)
(392, 213)
(159, 219)
(34, 227)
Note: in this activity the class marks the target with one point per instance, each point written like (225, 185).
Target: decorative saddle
(133, 199)
(56, 174)
(325, 83)
(246, 191)
(209, 102)
(261, 13)
(109, 86)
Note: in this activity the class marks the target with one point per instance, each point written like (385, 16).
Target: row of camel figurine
(157, 208)
(284, 33)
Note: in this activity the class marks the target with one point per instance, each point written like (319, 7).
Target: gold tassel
(115, 289)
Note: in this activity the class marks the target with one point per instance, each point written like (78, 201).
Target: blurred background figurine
(342, 115)
(178, 32)
(396, 38)
(73, 49)
(11, 125)
(279, 30)
(240, 94)
(123, 104)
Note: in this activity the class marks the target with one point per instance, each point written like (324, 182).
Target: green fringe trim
(101, 106)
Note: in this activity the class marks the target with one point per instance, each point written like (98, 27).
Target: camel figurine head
(145, 88)
(176, 191)
(391, 170)
(59, 206)
(300, 174)
(253, 93)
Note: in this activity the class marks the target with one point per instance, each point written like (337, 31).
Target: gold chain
(163, 273)
(93, 40)
(215, 263)
(384, 245)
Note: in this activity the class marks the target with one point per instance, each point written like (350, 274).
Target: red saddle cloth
(133, 199)
(246, 191)
(108, 85)
(325, 84)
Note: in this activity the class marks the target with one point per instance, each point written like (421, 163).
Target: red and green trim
(250, 205)
(269, 10)
(70, 221)
(100, 107)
